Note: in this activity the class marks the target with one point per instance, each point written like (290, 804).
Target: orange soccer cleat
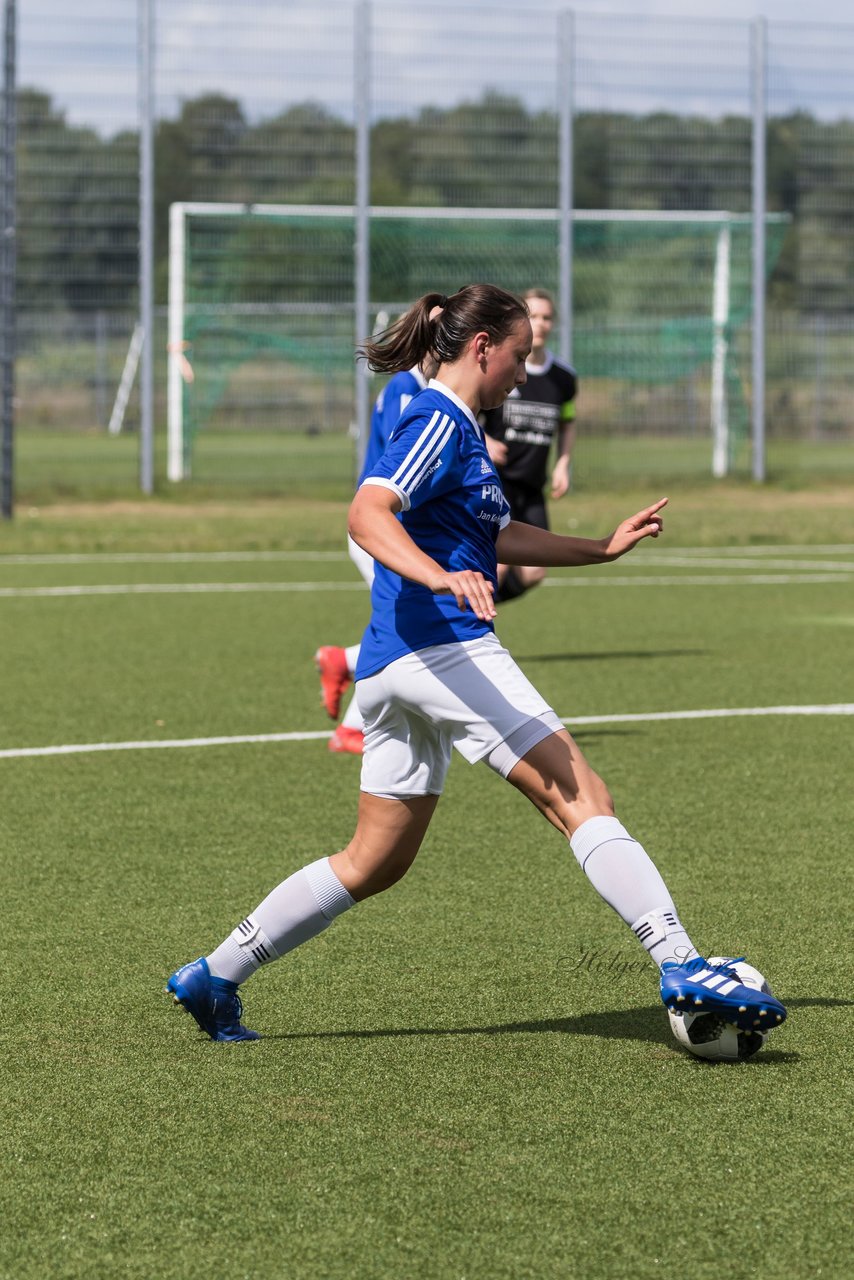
(346, 739)
(331, 663)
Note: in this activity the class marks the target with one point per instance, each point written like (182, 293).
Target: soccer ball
(709, 1036)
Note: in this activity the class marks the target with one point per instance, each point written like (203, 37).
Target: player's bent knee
(593, 799)
(381, 876)
(365, 871)
(600, 796)
(567, 794)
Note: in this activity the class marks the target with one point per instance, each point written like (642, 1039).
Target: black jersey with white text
(529, 420)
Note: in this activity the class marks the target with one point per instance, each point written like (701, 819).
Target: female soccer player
(432, 675)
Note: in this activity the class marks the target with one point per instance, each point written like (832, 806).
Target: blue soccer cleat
(213, 1002)
(715, 986)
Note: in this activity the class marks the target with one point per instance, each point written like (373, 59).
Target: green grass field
(94, 466)
(470, 1077)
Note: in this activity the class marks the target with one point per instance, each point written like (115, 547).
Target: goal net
(262, 313)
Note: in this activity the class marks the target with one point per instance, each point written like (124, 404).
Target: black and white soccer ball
(708, 1035)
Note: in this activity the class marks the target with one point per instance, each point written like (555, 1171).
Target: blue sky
(774, 10)
(633, 55)
(832, 11)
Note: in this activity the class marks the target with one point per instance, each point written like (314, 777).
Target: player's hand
(560, 478)
(646, 524)
(470, 590)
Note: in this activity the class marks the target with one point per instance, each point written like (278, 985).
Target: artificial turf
(470, 1076)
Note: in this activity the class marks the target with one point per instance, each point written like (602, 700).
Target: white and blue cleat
(715, 986)
(213, 1002)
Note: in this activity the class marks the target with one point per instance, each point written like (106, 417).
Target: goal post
(658, 298)
(220, 305)
(720, 322)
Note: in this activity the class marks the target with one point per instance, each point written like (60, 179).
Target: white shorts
(470, 695)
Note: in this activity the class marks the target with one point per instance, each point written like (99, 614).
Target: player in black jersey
(521, 434)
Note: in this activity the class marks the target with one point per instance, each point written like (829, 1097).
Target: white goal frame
(180, 213)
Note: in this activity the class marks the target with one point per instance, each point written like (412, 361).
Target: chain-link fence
(468, 108)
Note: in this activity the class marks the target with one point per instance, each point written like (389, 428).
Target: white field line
(214, 588)
(703, 580)
(828, 709)
(176, 588)
(662, 555)
(172, 557)
(748, 562)
(766, 549)
(81, 748)
(698, 558)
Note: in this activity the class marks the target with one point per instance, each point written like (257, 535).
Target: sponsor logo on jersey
(426, 475)
(527, 437)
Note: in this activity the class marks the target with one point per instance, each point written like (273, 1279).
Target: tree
(77, 211)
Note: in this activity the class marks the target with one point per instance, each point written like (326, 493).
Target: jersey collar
(436, 385)
(541, 368)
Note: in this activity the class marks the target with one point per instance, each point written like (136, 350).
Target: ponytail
(406, 342)
(441, 327)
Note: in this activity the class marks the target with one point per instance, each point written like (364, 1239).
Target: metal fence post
(146, 244)
(565, 92)
(758, 61)
(8, 262)
(362, 281)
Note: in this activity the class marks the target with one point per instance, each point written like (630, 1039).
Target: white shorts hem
(469, 696)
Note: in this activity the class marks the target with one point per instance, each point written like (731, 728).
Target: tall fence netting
(256, 104)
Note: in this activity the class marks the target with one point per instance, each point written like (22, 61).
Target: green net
(270, 308)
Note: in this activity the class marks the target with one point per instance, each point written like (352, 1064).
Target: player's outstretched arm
(525, 544)
(645, 524)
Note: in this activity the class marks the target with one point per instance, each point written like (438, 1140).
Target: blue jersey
(453, 508)
(390, 404)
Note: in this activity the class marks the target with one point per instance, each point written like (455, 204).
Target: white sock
(351, 656)
(298, 909)
(622, 872)
(664, 936)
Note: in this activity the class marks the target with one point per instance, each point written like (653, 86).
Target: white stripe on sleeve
(424, 464)
(419, 459)
(415, 448)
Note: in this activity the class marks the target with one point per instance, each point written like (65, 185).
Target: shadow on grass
(570, 656)
(613, 1024)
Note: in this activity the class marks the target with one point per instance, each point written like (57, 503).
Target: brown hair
(455, 320)
(542, 294)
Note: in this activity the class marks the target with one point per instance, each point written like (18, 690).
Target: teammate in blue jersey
(390, 404)
(335, 663)
(433, 676)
